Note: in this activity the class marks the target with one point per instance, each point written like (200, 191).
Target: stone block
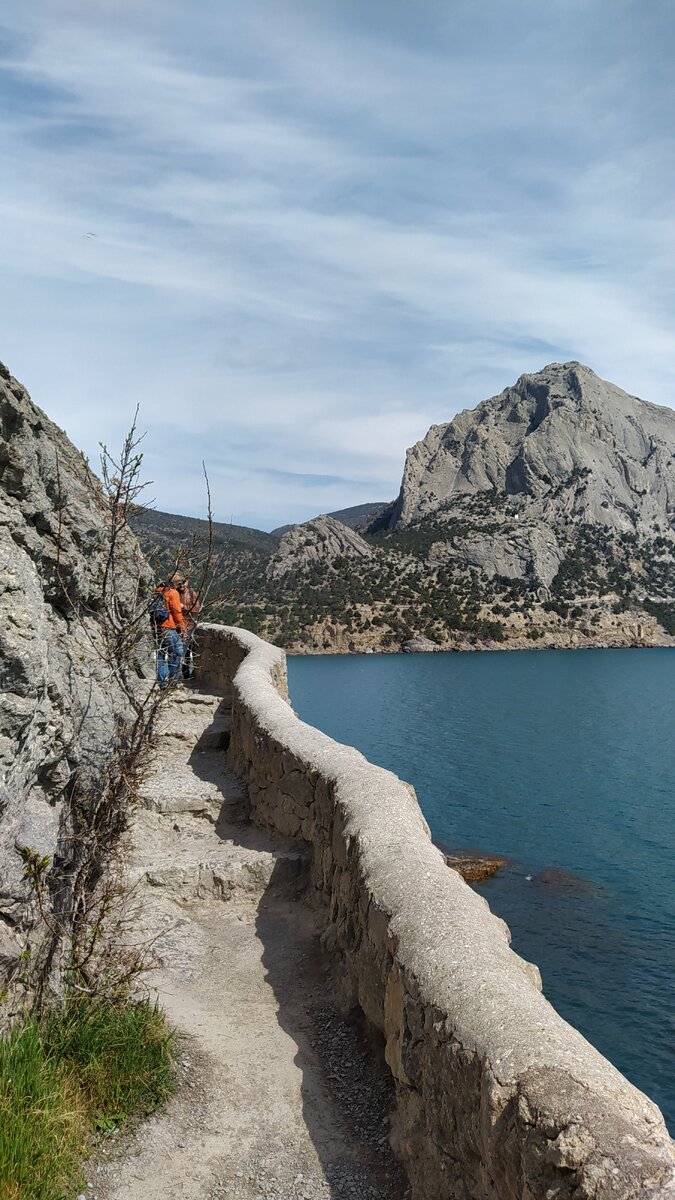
(295, 784)
(394, 1025)
(287, 824)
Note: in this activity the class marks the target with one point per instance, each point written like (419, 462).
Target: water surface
(559, 759)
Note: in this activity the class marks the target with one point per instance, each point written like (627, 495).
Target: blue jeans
(169, 657)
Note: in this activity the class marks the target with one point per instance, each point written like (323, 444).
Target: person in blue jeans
(170, 658)
(170, 647)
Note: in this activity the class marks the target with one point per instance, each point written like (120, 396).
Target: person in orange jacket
(170, 647)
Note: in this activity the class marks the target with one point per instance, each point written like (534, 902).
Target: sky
(297, 234)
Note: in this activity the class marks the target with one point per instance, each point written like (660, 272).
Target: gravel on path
(279, 1097)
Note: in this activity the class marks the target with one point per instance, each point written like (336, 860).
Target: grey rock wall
(567, 448)
(564, 440)
(317, 541)
(59, 704)
(497, 1096)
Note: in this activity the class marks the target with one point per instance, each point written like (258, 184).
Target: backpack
(158, 609)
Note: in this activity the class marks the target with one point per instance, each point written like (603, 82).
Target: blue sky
(320, 226)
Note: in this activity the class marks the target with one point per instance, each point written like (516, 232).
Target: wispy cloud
(297, 234)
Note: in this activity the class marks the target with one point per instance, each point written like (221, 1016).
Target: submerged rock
(561, 880)
(474, 868)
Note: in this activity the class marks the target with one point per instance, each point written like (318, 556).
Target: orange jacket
(175, 618)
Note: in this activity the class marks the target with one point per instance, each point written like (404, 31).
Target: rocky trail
(279, 1098)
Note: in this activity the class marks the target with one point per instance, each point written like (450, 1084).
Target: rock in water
(560, 880)
(474, 868)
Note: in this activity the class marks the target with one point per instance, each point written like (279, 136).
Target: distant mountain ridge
(240, 554)
(545, 516)
(358, 516)
(167, 530)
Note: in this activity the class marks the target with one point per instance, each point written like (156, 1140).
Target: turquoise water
(554, 759)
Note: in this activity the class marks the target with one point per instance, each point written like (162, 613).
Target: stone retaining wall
(497, 1096)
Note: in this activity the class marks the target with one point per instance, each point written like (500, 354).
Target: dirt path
(279, 1098)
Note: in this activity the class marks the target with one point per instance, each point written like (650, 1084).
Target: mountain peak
(566, 442)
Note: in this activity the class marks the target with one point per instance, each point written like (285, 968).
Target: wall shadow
(347, 1091)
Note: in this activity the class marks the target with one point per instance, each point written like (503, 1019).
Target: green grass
(120, 1055)
(84, 1069)
(43, 1120)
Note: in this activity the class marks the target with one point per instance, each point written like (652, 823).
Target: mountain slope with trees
(545, 516)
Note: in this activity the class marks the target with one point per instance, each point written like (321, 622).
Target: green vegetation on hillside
(240, 555)
(417, 582)
(166, 530)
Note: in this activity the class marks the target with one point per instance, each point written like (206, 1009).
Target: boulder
(419, 645)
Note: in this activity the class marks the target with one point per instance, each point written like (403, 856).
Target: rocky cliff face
(544, 516)
(60, 707)
(566, 448)
(322, 540)
(564, 440)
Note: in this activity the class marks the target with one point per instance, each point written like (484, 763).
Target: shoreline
(484, 648)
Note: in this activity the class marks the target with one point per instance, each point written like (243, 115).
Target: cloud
(316, 233)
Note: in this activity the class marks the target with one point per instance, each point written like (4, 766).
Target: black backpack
(158, 609)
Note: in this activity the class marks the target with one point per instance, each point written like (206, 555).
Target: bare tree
(84, 907)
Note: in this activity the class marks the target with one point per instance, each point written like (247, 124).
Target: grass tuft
(84, 1069)
(43, 1120)
(119, 1053)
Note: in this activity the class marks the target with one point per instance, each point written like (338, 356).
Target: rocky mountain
(60, 708)
(358, 516)
(566, 449)
(544, 516)
(319, 541)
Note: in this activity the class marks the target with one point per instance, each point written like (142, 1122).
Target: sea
(563, 763)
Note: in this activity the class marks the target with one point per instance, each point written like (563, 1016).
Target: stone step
(229, 876)
(204, 784)
(190, 726)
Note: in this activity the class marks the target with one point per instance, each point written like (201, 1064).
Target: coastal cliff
(61, 707)
(495, 1094)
